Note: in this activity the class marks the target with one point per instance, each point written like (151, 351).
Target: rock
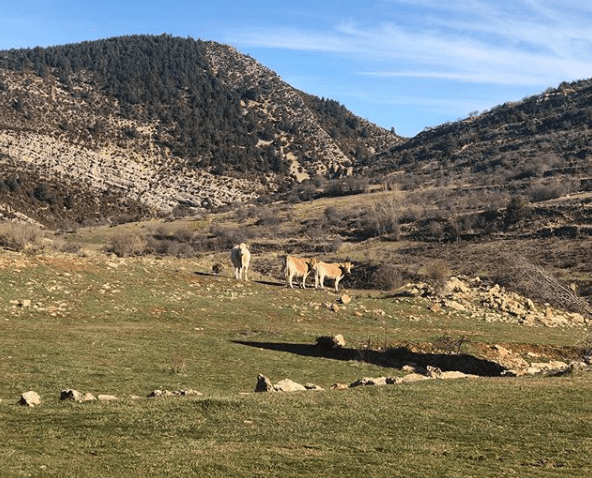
(368, 381)
(576, 367)
(394, 380)
(334, 342)
(70, 394)
(453, 374)
(160, 393)
(452, 304)
(433, 372)
(107, 398)
(263, 384)
(334, 308)
(76, 396)
(288, 385)
(456, 285)
(188, 393)
(312, 386)
(30, 399)
(414, 377)
(345, 299)
(339, 386)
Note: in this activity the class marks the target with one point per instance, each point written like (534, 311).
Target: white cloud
(526, 42)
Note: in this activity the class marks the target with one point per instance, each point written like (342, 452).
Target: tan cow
(296, 267)
(335, 271)
(241, 258)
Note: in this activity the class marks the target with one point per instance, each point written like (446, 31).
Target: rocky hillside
(543, 136)
(148, 124)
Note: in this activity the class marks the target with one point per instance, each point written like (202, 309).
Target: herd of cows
(294, 267)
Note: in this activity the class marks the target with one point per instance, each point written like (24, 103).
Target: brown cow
(296, 267)
(335, 271)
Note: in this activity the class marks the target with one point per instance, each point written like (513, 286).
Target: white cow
(296, 267)
(240, 257)
(335, 271)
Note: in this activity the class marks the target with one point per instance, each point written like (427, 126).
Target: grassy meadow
(126, 327)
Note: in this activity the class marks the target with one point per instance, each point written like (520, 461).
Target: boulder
(263, 384)
(288, 385)
(331, 342)
(30, 399)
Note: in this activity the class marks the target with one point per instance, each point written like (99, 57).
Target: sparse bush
(18, 236)
(128, 243)
(387, 277)
(516, 212)
(333, 215)
(183, 235)
(438, 274)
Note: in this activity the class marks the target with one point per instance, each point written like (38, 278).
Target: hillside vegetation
(167, 123)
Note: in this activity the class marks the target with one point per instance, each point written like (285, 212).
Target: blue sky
(407, 64)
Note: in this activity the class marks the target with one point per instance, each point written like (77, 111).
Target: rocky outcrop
(492, 303)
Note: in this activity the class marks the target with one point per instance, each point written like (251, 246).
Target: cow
(296, 267)
(335, 271)
(240, 257)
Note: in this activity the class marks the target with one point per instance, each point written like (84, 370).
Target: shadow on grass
(218, 276)
(394, 358)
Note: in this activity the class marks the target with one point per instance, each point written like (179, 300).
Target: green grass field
(128, 327)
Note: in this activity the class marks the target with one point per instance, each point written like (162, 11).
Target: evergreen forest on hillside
(169, 81)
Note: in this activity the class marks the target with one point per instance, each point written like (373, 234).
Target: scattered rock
(30, 399)
(345, 299)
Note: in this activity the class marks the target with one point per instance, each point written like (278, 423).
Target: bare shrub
(438, 274)
(18, 236)
(128, 243)
(450, 345)
(269, 217)
(553, 190)
(183, 235)
(531, 280)
(333, 215)
(387, 277)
